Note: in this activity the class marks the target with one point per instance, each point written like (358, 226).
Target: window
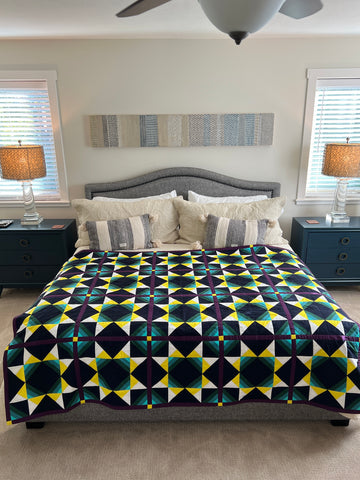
(29, 112)
(332, 113)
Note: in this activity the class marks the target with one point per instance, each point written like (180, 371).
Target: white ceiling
(176, 19)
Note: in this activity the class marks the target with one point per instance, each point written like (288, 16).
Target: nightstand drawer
(28, 275)
(335, 271)
(29, 257)
(334, 240)
(333, 255)
(30, 241)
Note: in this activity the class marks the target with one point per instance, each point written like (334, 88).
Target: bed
(183, 331)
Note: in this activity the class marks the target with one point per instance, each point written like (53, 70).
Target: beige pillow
(192, 229)
(163, 229)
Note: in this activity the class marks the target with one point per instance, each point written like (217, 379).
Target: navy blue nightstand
(331, 251)
(31, 255)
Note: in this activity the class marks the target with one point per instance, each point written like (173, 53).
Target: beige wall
(182, 76)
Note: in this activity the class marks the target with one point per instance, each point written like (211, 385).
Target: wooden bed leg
(34, 425)
(340, 423)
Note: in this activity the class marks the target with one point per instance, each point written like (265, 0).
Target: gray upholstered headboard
(181, 179)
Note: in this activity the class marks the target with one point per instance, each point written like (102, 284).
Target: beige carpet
(177, 451)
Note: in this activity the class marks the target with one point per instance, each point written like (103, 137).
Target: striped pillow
(122, 234)
(226, 232)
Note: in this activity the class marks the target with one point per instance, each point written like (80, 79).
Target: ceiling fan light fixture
(240, 16)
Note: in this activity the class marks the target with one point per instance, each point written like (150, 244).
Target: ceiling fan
(237, 18)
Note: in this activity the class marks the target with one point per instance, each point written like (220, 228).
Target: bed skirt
(244, 412)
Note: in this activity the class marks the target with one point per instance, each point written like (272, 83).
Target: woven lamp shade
(342, 160)
(24, 162)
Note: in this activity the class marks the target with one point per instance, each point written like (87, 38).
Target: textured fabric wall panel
(236, 129)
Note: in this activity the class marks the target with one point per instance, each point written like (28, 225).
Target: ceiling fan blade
(301, 8)
(140, 6)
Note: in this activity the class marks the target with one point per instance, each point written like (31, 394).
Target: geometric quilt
(144, 330)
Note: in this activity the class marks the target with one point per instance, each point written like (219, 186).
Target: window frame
(50, 76)
(313, 75)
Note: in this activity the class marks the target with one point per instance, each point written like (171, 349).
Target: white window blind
(27, 114)
(336, 117)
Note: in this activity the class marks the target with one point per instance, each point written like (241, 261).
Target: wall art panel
(196, 130)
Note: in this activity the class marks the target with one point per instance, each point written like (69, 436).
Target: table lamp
(24, 162)
(341, 160)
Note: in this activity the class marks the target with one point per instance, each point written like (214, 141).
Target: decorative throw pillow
(226, 232)
(123, 234)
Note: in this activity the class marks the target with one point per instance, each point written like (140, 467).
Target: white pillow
(197, 198)
(154, 197)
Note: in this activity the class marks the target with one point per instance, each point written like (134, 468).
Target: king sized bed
(173, 309)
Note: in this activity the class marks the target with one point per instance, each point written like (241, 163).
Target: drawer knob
(24, 243)
(343, 256)
(28, 273)
(345, 241)
(26, 258)
(340, 271)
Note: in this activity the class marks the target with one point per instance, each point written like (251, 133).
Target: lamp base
(338, 213)
(35, 219)
(334, 217)
(31, 216)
